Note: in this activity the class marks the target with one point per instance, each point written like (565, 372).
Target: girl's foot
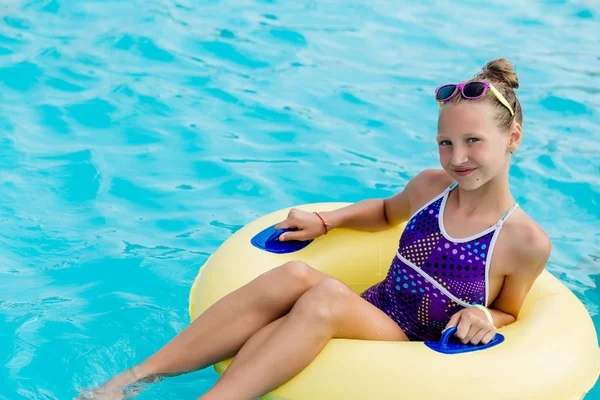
(123, 386)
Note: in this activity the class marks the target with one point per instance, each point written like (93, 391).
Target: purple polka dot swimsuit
(433, 275)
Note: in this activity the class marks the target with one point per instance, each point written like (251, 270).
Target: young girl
(457, 217)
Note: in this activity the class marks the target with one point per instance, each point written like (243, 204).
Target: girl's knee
(296, 270)
(325, 302)
(286, 282)
(298, 275)
(332, 289)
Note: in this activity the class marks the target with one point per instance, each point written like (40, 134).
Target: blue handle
(275, 235)
(268, 240)
(447, 335)
(445, 346)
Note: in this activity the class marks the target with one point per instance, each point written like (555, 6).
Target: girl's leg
(283, 348)
(220, 332)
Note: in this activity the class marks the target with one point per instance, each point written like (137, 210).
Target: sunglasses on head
(470, 91)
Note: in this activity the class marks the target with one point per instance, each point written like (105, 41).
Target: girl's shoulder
(427, 185)
(417, 192)
(526, 244)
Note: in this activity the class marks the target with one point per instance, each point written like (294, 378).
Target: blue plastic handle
(446, 346)
(268, 240)
(275, 235)
(447, 335)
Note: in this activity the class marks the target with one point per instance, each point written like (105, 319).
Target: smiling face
(473, 149)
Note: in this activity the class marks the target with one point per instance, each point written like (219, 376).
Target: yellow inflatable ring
(550, 352)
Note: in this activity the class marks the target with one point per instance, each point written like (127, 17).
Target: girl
(455, 216)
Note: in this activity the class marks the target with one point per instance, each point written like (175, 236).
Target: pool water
(138, 135)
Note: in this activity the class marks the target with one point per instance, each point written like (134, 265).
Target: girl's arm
(532, 251)
(531, 257)
(368, 215)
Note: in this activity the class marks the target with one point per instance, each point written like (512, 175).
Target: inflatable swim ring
(550, 352)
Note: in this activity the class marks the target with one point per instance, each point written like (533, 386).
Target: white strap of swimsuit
(508, 213)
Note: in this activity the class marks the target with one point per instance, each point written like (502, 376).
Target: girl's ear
(516, 135)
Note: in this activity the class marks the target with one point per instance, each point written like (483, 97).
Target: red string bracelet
(323, 221)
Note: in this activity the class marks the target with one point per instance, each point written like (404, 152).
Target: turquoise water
(138, 135)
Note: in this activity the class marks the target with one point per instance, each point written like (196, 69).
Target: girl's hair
(502, 75)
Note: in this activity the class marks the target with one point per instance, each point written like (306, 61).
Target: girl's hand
(308, 226)
(472, 326)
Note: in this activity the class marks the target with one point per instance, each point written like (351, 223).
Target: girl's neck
(490, 200)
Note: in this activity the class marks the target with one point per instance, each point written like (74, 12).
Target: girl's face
(473, 149)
